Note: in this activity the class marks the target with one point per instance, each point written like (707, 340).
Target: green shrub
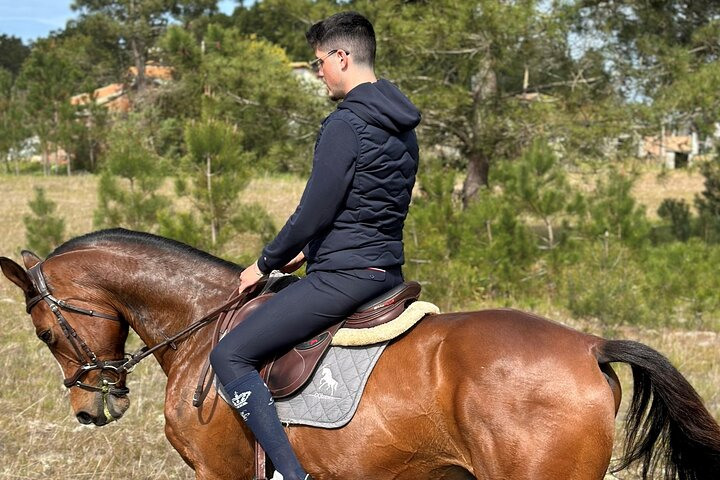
(460, 255)
(682, 278)
(537, 184)
(44, 229)
(612, 210)
(708, 202)
(677, 214)
(608, 286)
(132, 176)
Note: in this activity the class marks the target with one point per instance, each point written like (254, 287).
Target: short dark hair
(346, 31)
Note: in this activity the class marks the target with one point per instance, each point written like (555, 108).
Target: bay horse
(495, 394)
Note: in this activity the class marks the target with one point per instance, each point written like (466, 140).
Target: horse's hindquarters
(466, 395)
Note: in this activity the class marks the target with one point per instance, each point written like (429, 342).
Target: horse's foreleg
(209, 439)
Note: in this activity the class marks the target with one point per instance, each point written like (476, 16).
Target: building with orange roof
(114, 97)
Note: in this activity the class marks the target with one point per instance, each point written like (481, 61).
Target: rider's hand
(250, 277)
(294, 264)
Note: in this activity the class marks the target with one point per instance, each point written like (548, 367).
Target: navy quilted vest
(368, 232)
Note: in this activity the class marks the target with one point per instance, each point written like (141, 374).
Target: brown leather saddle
(287, 372)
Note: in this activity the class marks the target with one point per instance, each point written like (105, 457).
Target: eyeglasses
(318, 62)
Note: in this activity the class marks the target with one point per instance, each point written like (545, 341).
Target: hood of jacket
(383, 105)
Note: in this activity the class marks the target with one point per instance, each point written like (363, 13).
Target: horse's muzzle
(106, 409)
(87, 418)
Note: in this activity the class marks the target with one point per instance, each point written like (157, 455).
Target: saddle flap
(231, 319)
(290, 371)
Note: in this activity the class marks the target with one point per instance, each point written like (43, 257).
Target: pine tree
(708, 202)
(128, 191)
(44, 229)
(218, 170)
(538, 185)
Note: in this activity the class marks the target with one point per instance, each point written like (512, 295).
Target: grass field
(39, 436)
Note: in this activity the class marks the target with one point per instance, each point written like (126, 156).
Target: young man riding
(348, 226)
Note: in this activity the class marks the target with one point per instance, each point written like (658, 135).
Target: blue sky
(30, 19)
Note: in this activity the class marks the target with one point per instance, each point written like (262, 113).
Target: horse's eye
(46, 336)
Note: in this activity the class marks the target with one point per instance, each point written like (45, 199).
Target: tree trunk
(68, 160)
(550, 233)
(92, 156)
(213, 220)
(137, 46)
(139, 58)
(484, 88)
(45, 160)
(477, 177)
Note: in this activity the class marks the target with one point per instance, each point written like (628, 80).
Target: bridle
(86, 358)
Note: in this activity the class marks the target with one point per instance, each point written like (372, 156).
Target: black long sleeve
(324, 195)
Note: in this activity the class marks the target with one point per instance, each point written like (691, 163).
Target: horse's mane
(121, 235)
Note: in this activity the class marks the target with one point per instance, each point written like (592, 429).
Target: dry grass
(654, 186)
(39, 437)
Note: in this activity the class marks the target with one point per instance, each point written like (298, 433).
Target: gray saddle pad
(332, 396)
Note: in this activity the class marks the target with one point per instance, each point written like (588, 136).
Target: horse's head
(84, 333)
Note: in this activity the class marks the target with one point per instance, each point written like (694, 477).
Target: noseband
(86, 358)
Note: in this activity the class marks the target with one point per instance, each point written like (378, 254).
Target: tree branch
(254, 103)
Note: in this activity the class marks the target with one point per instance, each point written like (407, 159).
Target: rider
(348, 226)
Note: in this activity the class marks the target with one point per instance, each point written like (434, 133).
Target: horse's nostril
(84, 418)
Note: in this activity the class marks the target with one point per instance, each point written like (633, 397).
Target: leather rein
(86, 358)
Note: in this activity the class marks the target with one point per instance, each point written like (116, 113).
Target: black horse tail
(667, 425)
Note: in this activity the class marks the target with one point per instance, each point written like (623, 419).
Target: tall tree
(12, 53)
(284, 22)
(195, 14)
(250, 82)
(663, 52)
(49, 77)
(478, 70)
(488, 76)
(12, 127)
(139, 24)
(102, 56)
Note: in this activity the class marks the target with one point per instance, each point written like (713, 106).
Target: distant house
(306, 75)
(673, 151)
(114, 97)
(157, 73)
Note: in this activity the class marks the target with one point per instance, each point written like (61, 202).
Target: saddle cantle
(384, 308)
(286, 373)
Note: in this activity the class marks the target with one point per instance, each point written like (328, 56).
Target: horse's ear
(30, 259)
(16, 274)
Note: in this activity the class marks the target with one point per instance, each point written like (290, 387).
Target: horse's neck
(161, 299)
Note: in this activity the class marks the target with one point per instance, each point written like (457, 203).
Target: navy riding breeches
(295, 314)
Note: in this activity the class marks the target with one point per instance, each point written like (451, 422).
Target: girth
(287, 372)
